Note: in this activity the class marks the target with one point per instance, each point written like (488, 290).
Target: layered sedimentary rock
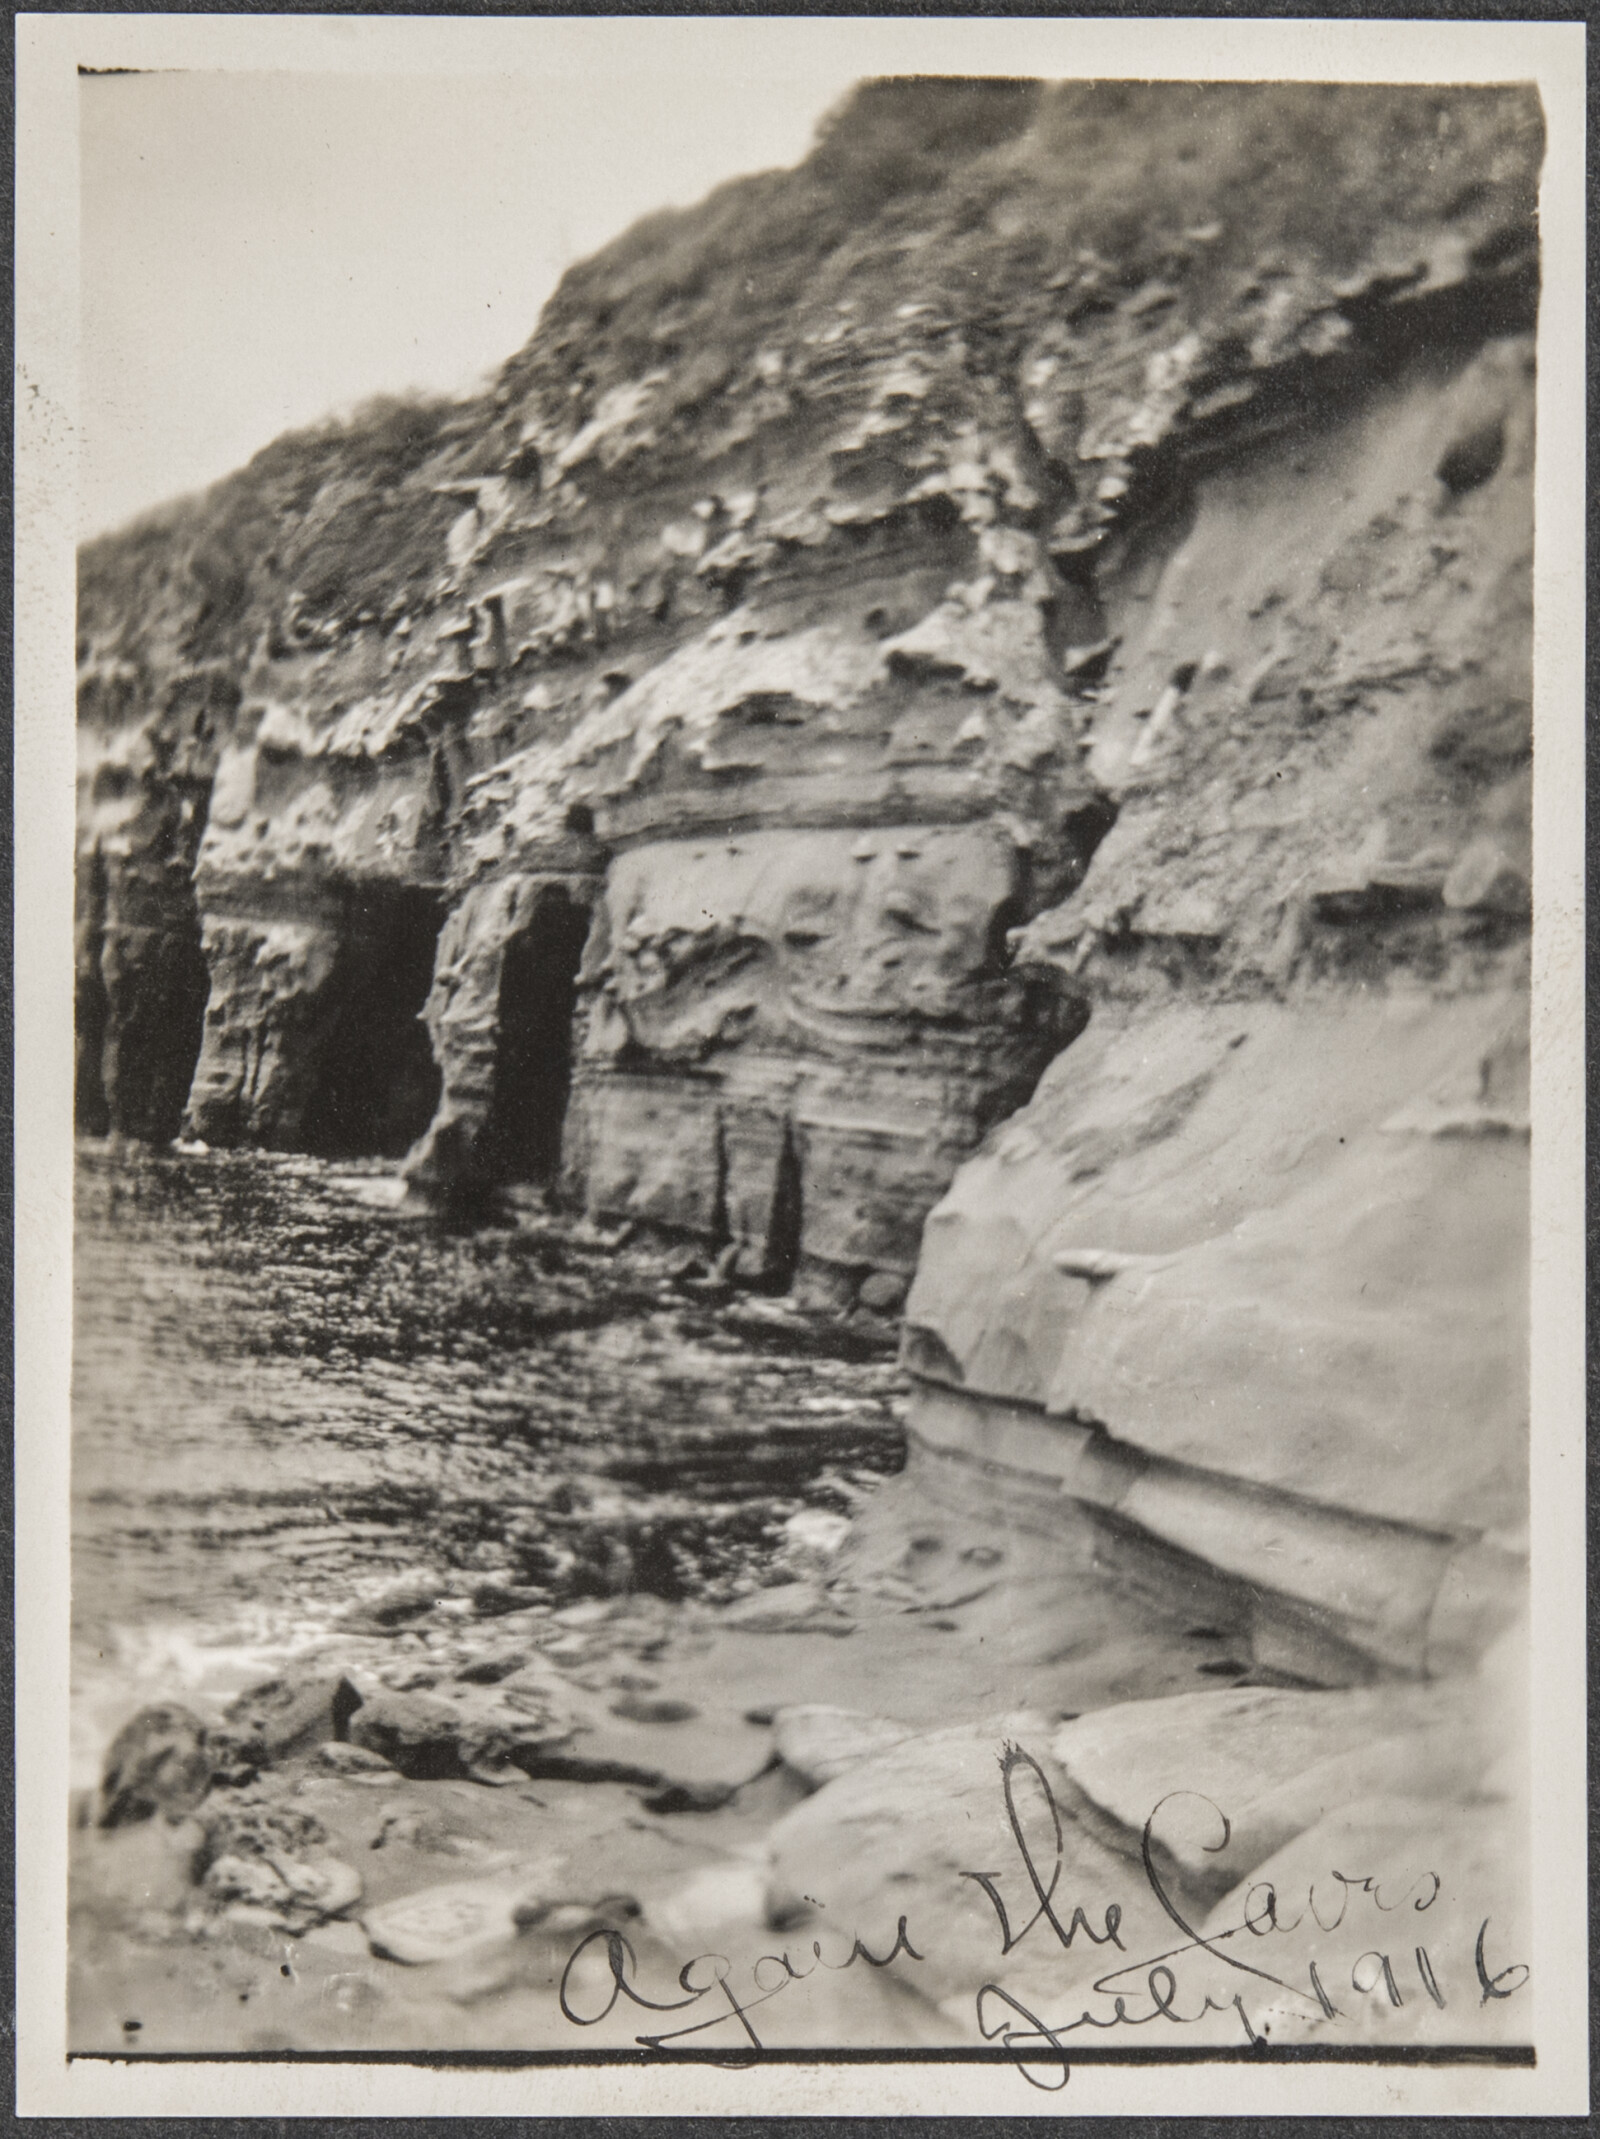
(1249, 1274)
(1042, 589)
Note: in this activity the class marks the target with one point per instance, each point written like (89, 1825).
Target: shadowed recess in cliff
(141, 1003)
(378, 1083)
(92, 1007)
(533, 1064)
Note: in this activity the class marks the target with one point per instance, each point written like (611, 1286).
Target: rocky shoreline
(397, 1831)
(910, 843)
(403, 1839)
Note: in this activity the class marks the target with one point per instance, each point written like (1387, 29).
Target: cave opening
(139, 1005)
(533, 1064)
(378, 1084)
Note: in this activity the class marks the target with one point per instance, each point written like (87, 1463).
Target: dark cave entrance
(533, 1065)
(139, 1009)
(378, 1084)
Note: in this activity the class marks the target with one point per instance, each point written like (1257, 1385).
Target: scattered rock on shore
(158, 1762)
(284, 1715)
(479, 1732)
(282, 1892)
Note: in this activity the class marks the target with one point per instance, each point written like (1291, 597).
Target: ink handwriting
(1241, 1970)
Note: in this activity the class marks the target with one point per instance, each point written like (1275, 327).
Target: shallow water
(287, 1396)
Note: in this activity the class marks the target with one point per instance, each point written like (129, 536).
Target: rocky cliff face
(1041, 590)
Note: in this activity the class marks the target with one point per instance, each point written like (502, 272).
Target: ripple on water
(285, 1394)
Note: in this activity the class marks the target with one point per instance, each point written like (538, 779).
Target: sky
(261, 250)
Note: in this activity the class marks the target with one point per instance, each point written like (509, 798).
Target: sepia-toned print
(803, 1100)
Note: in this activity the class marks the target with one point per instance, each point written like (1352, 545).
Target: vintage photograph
(802, 1027)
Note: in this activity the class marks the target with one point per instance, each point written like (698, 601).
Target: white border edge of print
(49, 49)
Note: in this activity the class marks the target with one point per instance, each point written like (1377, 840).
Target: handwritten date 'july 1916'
(1256, 1965)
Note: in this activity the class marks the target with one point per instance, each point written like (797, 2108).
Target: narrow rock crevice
(786, 1226)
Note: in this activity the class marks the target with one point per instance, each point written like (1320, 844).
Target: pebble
(639, 1708)
(883, 1291)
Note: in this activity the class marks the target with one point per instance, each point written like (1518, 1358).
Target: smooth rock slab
(1270, 1759)
(1392, 1876)
(693, 1756)
(899, 1835)
(818, 1743)
(441, 1923)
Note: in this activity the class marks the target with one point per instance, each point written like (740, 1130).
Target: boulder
(492, 1734)
(884, 1291)
(286, 1715)
(158, 1762)
(284, 1892)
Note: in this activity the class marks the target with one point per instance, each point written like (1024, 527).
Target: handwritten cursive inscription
(1249, 1970)
(623, 1965)
(1161, 1995)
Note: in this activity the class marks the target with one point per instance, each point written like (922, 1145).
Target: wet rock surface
(158, 1762)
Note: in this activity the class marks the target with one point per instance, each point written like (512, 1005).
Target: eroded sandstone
(940, 544)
